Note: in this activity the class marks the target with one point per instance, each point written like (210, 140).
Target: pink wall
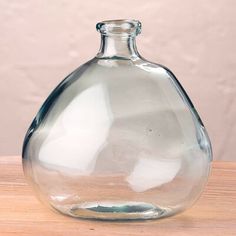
(42, 41)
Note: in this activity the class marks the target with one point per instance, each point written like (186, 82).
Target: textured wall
(42, 41)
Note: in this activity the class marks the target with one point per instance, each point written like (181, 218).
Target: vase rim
(120, 27)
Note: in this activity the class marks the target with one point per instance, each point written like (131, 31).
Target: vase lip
(120, 27)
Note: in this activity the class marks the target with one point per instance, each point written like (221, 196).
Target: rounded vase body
(118, 138)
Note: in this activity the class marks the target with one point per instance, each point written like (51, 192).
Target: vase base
(114, 210)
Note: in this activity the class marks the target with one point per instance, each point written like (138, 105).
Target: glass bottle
(118, 138)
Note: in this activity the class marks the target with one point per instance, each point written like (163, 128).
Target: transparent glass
(118, 138)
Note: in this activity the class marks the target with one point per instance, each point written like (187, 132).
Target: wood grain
(22, 214)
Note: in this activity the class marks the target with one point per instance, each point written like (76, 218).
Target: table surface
(22, 214)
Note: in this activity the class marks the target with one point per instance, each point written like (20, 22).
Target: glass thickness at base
(114, 210)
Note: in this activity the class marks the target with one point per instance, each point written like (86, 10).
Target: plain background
(42, 41)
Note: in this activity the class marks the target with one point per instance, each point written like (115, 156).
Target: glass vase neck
(118, 39)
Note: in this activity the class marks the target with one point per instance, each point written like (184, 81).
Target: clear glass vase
(118, 138)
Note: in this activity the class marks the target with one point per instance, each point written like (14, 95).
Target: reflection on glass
(74, 140)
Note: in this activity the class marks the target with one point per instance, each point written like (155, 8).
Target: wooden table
(22, 214)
